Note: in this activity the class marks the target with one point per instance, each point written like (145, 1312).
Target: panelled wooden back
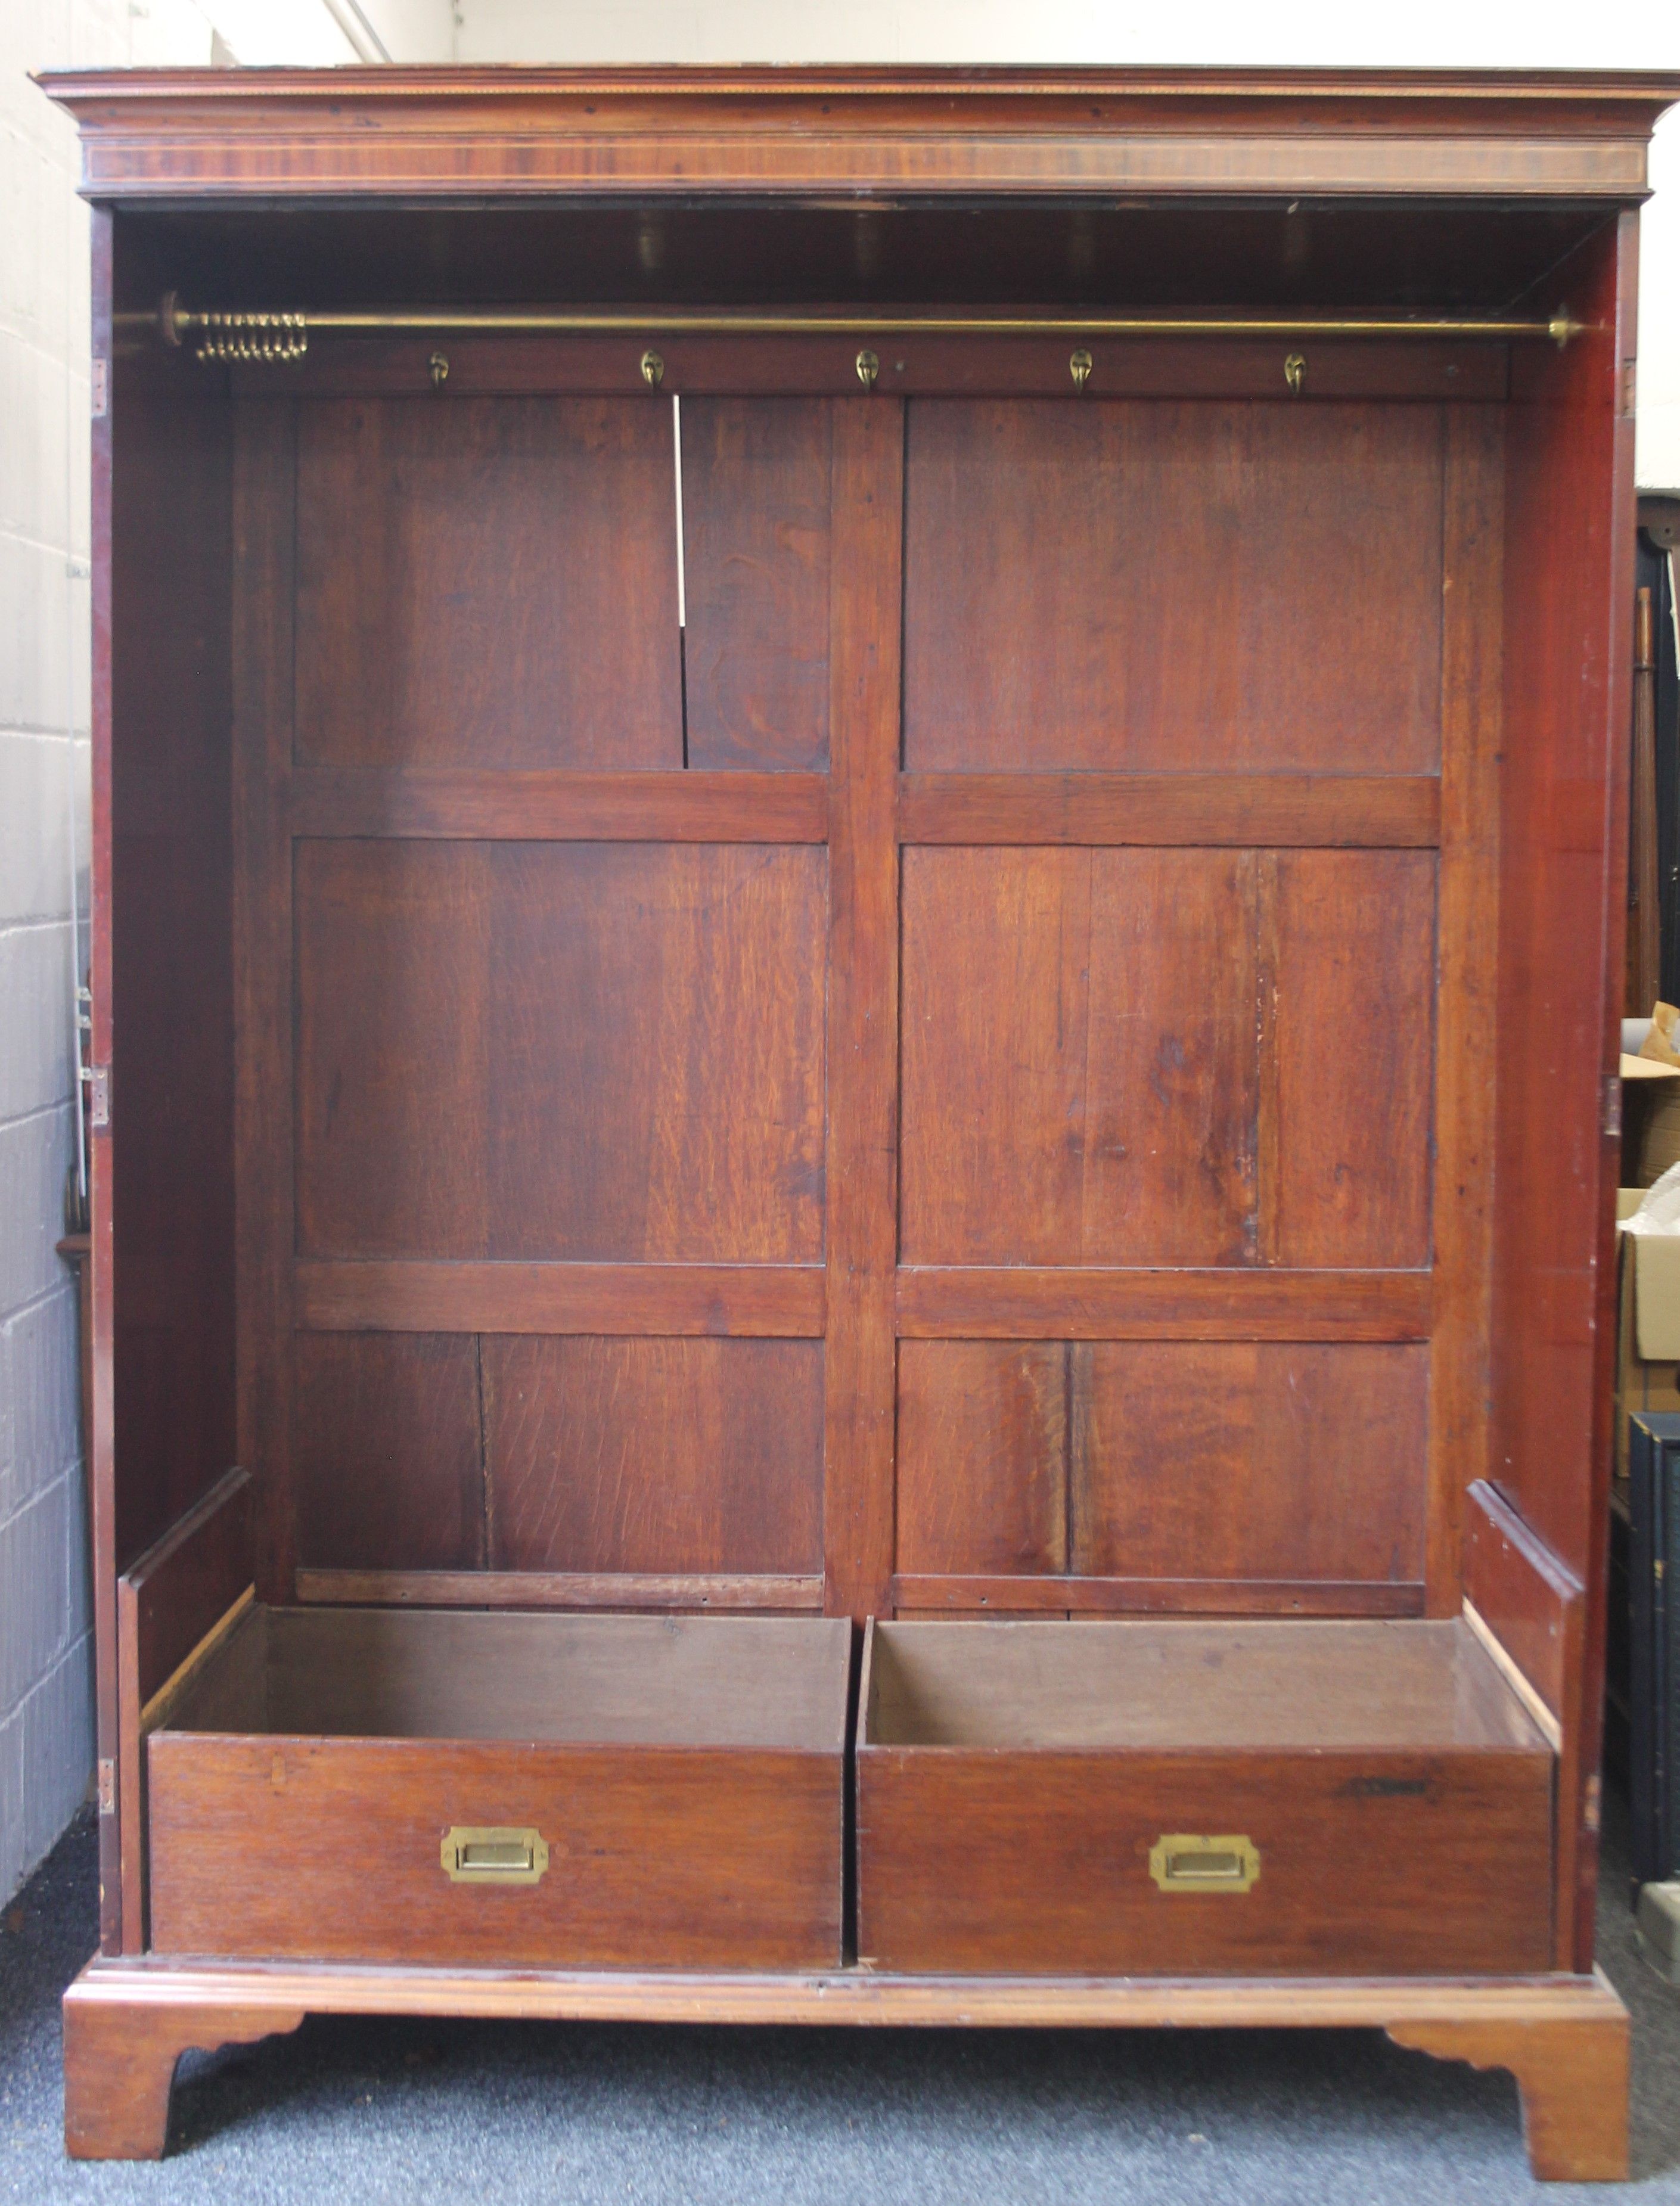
(926, 1086)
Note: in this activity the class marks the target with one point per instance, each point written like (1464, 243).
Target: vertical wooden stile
(1262, 868)
(131, 1770)
(119, 1828)
(1569, 562)
(1579, 1782)
(1468, 909)
(863, 1121)
(265, 479)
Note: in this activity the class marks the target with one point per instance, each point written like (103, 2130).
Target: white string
(681, 583)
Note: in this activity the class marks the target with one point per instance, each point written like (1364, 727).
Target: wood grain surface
(701, 1457)
(1462, 1198)
(658, 1857)
(623, 1048)
(264, 626)
(1145, 1460)
(1113, 586)
(863, 994)
(170, 887)
(756, 507)
(1569, 556)
(1185, 1058)
(1083, 133)
(1523, 1593)
(686, 1776)
(1226, 781)
(1565, 2038)
(387, 1451)
(1165, 1302)
(1012, 1779)
(1196, 810)
(508, 596)
(189, 1579)
(1037, 1861)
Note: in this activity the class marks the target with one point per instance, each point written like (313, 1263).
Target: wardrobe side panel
(1568, 614)
(171, 969)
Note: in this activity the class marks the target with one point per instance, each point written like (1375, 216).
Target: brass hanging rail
(226, 334)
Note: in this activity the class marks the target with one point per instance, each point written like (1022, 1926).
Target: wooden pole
(1644, 965)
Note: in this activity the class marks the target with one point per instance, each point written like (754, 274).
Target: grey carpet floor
(474, 2113)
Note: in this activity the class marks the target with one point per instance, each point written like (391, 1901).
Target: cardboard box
(1650, 1120)
(1648, 1323)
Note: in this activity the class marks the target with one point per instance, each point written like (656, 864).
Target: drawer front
(333, 1850)
(1042, 1863)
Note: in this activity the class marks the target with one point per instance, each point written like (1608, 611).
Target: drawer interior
(730, 1682)
(1186, 1685)
(486, 1788)
(1185, 1797)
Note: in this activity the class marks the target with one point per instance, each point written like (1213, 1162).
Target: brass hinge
(1612, 1103)
(98, 1077)
(107, 1776)
(100, 389)
(1629, 384)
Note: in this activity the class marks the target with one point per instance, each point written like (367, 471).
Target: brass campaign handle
(497, 1855)
(1180, 1863)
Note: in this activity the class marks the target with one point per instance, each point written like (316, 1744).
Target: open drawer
(475, 1787)
(1184, 1797)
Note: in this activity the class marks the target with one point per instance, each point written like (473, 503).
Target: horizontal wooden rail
(787, 1301)
(558, 1589)
(271, 1989)
(1056, 1596)
(1246, 811)
(1242, 365)
(1040, 1303)
(766, 1301)
(485, 804)
(1251, 810)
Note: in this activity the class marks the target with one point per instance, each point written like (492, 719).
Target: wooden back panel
(1180, 1067)
(536, 1007)
(605, 1220)
(1140, 585)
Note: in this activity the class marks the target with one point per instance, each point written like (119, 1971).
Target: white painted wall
(45, 1734)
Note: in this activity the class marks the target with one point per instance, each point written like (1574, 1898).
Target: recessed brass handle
(1294, 374)
(869, 367)
(1183, 1863)
(495, 1855)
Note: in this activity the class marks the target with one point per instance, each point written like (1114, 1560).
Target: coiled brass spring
(252, 338)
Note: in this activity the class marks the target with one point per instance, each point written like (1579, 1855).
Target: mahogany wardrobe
(858, 865)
